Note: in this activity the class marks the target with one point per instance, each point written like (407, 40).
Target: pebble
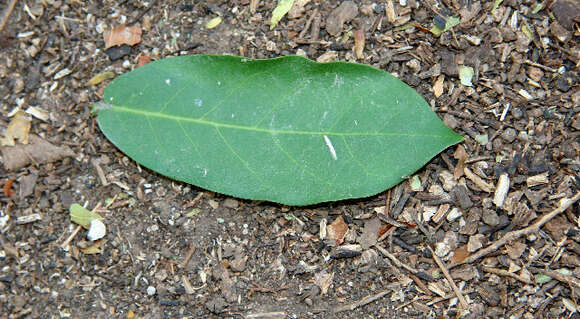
(151, 291)
(231, 203)
(509, 135)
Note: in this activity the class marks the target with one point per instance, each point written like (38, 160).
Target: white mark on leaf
(168, 81)
(338, 81)
(219, 83)
(204, 172)
(233, 115)
(198, 102)
(330, 147)
(355, 123)
(324, 115)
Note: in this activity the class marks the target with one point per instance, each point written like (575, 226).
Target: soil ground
(176, 251)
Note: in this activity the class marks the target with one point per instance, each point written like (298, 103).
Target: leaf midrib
(118, 108)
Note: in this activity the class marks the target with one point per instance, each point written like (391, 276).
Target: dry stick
(505, 273)
(450, 280)
(70, 238)
(368, 299)
(563, 278)
(447, 297)
(394, 259)
(7, 13)
(519, 233)
(307, 26)
(190, 252)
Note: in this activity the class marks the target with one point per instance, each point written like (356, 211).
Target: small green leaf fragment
(449, 23)
(100, 78)
(289, 217)
(280, 11)
(465, 75)
(482, 139)
(220, 220)
(538, 8)
(213, 23)
(193, 212)
(564, 271)
(82, 216)
(416, 184)
(496, 5)
(542, 278)
(526, 30)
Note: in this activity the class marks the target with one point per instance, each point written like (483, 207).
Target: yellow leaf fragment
(17, 130)
(213, 22)
(280, 11)
(93, 249)
(100, 78)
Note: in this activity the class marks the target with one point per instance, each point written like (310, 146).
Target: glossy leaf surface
(286, 130)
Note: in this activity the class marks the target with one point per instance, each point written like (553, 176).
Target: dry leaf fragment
(323, 280)
(93, 249)
(17, 130)
(337, 230)
(38, 151)
(438, 86)
(342, 14)
(461, 156)
(122, 34)
(142, 60)
(359, 43)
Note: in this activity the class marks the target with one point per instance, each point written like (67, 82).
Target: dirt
(172, 250)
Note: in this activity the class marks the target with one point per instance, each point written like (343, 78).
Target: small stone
(239, 263)
(231, 203)
(565, 82)
(490, 217)
(441, 249)
(461, 195)
(450, 121)
(475, 242)
(151, 291)
(509, 135)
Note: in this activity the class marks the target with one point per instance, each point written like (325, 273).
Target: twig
(307, 26)
(190, 252)
(563, 278)
(421, 285)
(7, 13)
(545, 68)
(519, 233)
(68, 240)
(368, 299)
(394, 259)
(505, 273)
(447, 297)
(276, 314)
(450, 280)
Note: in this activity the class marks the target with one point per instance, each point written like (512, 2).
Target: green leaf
(286, 130)
(280, 11)
(82, 216)
(466, 75)
(450, 22)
